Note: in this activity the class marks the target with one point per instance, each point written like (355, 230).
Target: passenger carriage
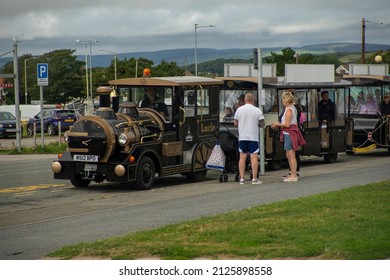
(325, 139)
(370, 127)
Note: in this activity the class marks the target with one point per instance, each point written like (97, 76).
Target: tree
(165, 69)
(287, 57)
(66, 79)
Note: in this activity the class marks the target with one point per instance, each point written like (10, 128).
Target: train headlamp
(123, 139)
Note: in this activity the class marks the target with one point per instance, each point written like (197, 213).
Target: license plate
(86, 158)
(10, 130)
(68, 120)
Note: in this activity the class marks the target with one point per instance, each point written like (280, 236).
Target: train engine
(136, 144)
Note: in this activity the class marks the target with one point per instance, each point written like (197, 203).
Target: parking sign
(43, 74)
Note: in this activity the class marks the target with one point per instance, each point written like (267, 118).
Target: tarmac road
(39, 215)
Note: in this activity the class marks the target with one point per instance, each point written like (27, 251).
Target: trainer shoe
(256, 182)
(289, 174)
(290, 179)
(242, 181)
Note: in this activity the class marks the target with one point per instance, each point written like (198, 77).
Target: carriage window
(189, 103)
(203, 102)
(364, 100)
(229, 101)
(312, 105)
(271, 101)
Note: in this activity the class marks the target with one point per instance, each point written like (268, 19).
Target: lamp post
(114, 53)
(196, 45)
(88, 82)
(90, 63)
(25, 78)
(364, 37)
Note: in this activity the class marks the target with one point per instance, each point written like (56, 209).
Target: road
(39, 214)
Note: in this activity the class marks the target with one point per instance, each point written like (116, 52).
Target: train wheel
(225, 178)
(145, 174)
(199, 160)
(275, 164)
(80, 183)
(330, 158)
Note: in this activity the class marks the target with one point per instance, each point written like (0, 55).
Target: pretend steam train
(125, 141)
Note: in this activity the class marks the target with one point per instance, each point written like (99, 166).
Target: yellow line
(24, 194)
(31, 188)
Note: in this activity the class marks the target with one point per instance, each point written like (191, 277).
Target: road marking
(24, 194)
(31, 188)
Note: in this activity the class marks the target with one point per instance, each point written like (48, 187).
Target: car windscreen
(6, 116)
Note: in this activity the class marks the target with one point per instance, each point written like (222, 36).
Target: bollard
(35, 134)
(59, 133)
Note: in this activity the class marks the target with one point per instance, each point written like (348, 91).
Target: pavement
(11, 143)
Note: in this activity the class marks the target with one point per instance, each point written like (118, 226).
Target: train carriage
(370, 126)
(325, 139)
(127, 142)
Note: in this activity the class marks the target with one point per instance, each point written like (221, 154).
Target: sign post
(43, 80)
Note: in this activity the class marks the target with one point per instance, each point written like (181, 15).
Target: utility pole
(364, 37)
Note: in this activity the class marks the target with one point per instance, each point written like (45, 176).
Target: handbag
(217, 158)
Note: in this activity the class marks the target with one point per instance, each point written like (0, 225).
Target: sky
(121, 26)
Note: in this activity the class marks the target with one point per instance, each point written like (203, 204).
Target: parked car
(51, 120)
(7, 124)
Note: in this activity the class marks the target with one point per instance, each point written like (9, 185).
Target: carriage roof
(167, 81)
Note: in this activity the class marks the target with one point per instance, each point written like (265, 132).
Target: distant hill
(185, 57)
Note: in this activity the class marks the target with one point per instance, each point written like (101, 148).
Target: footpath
(11, 143)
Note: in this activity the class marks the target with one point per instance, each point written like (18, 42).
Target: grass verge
(353, 223)
(51, 148)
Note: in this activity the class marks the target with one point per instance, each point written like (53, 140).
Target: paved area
(11, 143)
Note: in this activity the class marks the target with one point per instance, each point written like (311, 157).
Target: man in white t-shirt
(249, 118)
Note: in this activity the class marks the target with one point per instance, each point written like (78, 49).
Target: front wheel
(80, 183)
(50, 130)
(30, 130)
(275, 164)
(330, 158)
(145, 174)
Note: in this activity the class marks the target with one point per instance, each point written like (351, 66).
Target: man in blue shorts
(249, 118)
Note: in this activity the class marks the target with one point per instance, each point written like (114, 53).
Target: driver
(152, 100)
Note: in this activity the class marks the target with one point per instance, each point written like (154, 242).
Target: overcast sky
(149, 25)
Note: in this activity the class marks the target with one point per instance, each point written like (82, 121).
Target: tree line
(67, 75)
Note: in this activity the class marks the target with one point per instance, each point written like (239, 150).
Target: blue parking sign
(43, 74)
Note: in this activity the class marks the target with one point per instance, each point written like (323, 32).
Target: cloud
(131, 26)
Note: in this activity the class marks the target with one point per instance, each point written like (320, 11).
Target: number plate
(68, 120)
(86, 158)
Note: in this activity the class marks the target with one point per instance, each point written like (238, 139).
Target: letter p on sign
(43, 74)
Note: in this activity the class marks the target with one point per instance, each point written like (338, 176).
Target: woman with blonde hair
(290, 134)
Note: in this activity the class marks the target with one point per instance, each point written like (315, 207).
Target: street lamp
(196, 46)
(88, 83)
(364, 36)
(25, 77)
(114, 53)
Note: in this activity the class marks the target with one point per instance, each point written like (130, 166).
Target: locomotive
(135, 137)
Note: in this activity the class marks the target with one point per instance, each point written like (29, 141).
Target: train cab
(145, 128)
